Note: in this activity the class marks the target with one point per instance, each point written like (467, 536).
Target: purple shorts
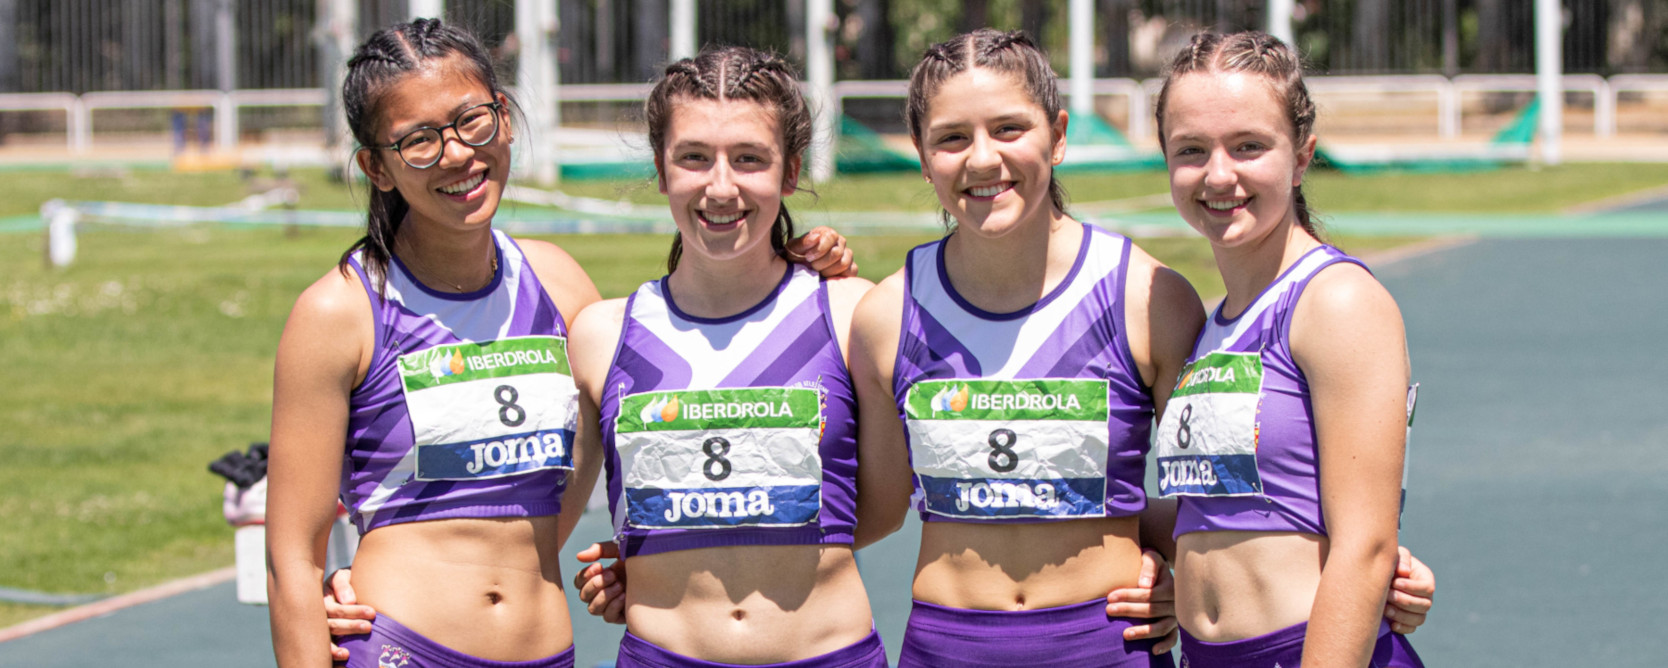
(1078, 636)
(391, 645)
(1285, 648)
(636, 652)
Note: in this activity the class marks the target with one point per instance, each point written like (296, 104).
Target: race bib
(491, 409)
(1207, 439)
(704, 459)
(984, 449)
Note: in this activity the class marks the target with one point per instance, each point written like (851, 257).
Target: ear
(372, 167)
(1305, 157)
(1058, 153)
(660, 172)
(506, 120)
(790, 178)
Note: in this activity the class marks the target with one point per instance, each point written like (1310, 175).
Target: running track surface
(1538, 486)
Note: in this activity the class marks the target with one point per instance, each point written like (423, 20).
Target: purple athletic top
(1032, 415)
(468, 407)
(1237, 440)
(730, 431)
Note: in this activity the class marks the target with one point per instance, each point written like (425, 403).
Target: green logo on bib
(1036, 399)
(742, 408)
(1221, 373)
(463, 362)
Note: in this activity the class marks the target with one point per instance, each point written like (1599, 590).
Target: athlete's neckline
(497, 277)
(1220, 319)
(1065, 282)
(672, 304)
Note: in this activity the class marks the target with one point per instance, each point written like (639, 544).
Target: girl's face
(463, 188)
(725, 174)
(1233, 166)
(990, 150)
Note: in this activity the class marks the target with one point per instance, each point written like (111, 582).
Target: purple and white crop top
(468, 408)
(730, 431)
(1237, 439)
(1039, 414)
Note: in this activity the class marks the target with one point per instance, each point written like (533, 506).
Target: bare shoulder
(591, 341)
(1346, 319)
(336, 301)
(563, 279)
(1151, 280)
(1346, 292)
(845, 293)
(884, 301)
(1162, 316)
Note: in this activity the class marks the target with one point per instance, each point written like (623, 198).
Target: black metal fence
(79, 46)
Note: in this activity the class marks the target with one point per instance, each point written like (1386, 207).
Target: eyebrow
(1004, 118)
(696, 143)
(452, 116)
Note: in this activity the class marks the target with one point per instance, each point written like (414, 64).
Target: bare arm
(1347, 337)
(884, 481)
(595, 335)
(571, 289)
(321, 357)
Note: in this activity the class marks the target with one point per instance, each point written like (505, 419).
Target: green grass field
(152, 355)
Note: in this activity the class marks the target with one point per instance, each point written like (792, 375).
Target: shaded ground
(1537, 485)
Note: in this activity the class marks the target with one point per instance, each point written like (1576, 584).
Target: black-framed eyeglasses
(475, 126)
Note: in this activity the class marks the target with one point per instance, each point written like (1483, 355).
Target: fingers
(599, 551)
(339, 587)
(1139, 604)
(1158, 628)
(823, 250)
(337, 654)
(1403, 621)
(350, 620)
(1149, 568)
(1400, 598)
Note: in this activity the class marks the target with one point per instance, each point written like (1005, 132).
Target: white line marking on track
(115, 603)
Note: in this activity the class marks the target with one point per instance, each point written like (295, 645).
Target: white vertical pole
(1280, 21)
(426, 9)
(819, 74)
(1082, 73)
(225, 112)
(536, 76)
(335, 35)
(683, 30)
(1549, 65)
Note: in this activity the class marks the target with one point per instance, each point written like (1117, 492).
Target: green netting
(1517, 134)
(864, 151)
(1091, 129)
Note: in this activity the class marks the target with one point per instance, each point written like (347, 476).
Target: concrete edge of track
(115, 603)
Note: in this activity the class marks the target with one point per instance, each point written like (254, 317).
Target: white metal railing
(1447, 93)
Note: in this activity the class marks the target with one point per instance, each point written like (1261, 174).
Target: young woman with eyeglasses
(426, 382)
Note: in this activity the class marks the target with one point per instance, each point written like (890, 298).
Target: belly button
(739, 615)
(1019, 602)
(494, 598)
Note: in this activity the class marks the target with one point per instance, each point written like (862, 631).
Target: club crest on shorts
(393, 657)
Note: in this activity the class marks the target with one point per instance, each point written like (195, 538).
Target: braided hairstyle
(1011, 53)
(1257, 53)
(380, 62)
(733, 73)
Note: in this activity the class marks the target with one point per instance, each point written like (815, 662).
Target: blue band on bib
(1212, 475)
(1006, 497)
(497, 456)
(789, 505)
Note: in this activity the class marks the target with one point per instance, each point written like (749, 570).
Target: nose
(982, 155)
(722, 185)
(453, 150)
(1219, 171)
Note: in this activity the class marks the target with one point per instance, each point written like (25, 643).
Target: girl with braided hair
(1284, 436)
(427, 382)
(1027, 355)
(726, 410)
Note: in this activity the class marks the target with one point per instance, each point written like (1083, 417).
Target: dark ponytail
(383, 59)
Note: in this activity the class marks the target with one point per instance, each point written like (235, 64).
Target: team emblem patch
(393, 657)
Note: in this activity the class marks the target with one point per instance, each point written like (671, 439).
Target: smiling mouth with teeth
(463, 186)
(1226, 205)
(717, 219)
(989, 191)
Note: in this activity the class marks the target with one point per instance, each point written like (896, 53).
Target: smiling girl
(727, 412)
(1284, 436)
(427, 382)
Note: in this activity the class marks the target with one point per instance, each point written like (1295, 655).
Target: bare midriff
(489, 588)
(986, 566)
(748, 604)
(1233, 585)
